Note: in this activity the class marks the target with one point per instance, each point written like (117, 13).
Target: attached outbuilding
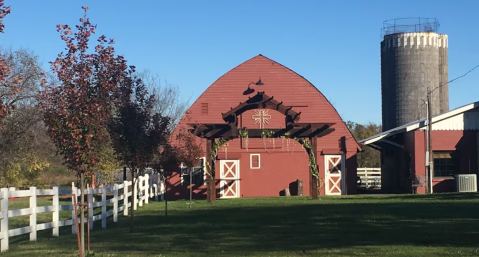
(259, 108)
(454, 140)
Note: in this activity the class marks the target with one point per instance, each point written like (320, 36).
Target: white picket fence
(146, 188)
(370, 177)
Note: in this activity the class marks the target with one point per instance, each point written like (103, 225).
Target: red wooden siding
(286, 161)
(449, 140)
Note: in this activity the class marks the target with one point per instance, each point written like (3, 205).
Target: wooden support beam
(325, 133)
(321, 132)
(229, 130)
(302, 131)
(314, 180)
(234, 126)
(209, 168)
(258, 101)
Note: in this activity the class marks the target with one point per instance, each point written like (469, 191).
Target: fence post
(154, 186)
(90, 206)
(103, 207)
(4, 222)
(33, 215)
(151, 190)
(147, 188)
(140, 191)
(74, 194)
(56, 212)
(125, 198)
(135, 193)
(368, 183)
(115, 202)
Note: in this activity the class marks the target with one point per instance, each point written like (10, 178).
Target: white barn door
(334, 167)
(229, 178)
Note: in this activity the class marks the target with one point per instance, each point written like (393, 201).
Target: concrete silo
(413, 58)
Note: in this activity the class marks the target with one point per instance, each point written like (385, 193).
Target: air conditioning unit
(466, 182)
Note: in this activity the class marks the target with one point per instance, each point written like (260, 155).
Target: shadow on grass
(302, 226)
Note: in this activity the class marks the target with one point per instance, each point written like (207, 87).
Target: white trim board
(251, 161)
(419, 124)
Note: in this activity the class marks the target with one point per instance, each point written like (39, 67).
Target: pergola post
(209, 166)
(314, 179)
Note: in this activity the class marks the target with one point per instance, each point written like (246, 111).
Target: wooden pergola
(230, 130)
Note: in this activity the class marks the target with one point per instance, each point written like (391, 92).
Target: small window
(204, 108)
(198, 174)
(254, 161)
(445, 164)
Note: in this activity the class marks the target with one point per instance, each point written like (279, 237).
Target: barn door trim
(337, 180)
(229, 178)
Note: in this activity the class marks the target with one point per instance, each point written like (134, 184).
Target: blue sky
(334, 44)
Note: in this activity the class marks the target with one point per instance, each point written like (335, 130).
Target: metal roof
(418, 124)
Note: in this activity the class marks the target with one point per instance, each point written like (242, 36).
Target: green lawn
(439, 225)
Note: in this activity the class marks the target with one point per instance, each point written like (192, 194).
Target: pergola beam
(258, 101)
(225, 131)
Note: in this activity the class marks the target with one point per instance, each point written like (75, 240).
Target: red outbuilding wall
(283, 164)
(464, 142)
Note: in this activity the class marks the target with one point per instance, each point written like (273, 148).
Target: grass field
(419, 225)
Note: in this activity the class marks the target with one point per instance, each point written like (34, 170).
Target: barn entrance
(334, 174)
(217, 134)
(229, 179)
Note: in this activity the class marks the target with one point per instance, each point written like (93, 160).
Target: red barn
(454, 140)
(261, 167)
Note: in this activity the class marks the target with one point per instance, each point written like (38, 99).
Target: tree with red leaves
(9, 80)
(136, 131)
(4, 10)
(166, 162)
(189, 152)
(76, 111)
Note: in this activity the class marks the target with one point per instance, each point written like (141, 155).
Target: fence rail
(370, 177)
(146, 187)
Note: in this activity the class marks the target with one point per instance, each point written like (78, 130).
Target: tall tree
(136, 131)
(23, 139)
(9, 81)
(75, 112)
(168, 100)
(368, 158)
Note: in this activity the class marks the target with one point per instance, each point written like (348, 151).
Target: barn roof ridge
(294, 72)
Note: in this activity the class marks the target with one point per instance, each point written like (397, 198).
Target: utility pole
(429, 142)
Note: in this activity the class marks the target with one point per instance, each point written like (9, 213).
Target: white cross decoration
(335, 184)
(335, 164)
(229, 188)
(261, 117)
(230, 170)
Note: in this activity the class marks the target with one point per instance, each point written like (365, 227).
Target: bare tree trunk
(166, 200)
(82, 213)
(191, 186)
(133, 182)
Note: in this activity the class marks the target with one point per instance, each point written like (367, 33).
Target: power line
(450, 81)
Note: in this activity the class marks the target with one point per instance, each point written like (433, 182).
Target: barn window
(198, 174)
(254, 161)
(445, 165)
(204, 108)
